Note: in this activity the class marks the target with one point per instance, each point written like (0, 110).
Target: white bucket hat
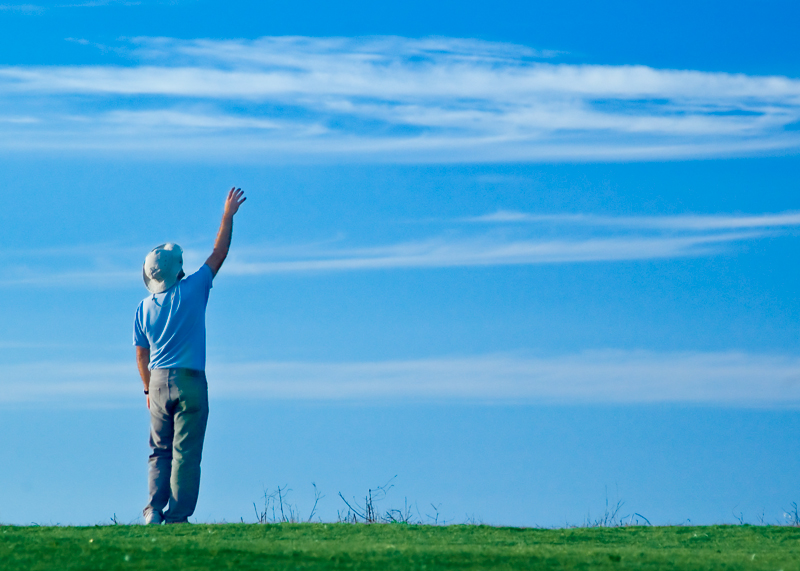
(162, 266)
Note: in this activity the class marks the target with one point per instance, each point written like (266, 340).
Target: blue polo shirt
(172, 324)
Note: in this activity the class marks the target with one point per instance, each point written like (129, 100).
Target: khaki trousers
(178, 418)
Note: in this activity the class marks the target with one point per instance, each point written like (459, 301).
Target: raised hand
(234, 200)
(223, 243)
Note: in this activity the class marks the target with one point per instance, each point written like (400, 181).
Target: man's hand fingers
(235, 198)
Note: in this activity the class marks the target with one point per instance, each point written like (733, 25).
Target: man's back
(172, 323)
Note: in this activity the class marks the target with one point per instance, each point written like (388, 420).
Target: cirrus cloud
(513, 238)
(390, 98)
(589, 377)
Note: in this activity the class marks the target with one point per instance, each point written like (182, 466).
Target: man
(169, 333)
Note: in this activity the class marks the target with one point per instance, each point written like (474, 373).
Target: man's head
(163, 266)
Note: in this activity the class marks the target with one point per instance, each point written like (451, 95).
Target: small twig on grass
(436, 511)
(610, 516)
(400, 516)
(792, 516)
(317, 497)
(352, 511)
(471, 520)
(280, 501)
(369, 512)
(277, 508)
(644, 518)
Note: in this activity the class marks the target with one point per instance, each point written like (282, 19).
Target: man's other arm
(223, 243)
(142, 361)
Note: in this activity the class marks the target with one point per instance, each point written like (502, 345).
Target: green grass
(397, 546)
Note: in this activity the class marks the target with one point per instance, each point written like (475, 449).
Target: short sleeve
(199, 281)
(207, 275)
(139, 338)
(198, 285)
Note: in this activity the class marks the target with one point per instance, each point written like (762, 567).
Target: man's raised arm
(223, 243)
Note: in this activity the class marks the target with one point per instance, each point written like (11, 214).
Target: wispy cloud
(588, 377)
(591, 377)
(394, 98)
(691, 222)
(187, 120)
(22, 8)
(98, 3)
(517, 238)
(68, 384)
(35, 9)
(512, 238)
(83, 266)
(87, 279)
(492, 251)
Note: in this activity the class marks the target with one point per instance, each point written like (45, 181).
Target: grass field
(397, 546)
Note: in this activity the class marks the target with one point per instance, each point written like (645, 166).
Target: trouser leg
(190, 420)
(161, 438)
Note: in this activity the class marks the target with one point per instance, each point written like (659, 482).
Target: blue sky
(523, 257)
